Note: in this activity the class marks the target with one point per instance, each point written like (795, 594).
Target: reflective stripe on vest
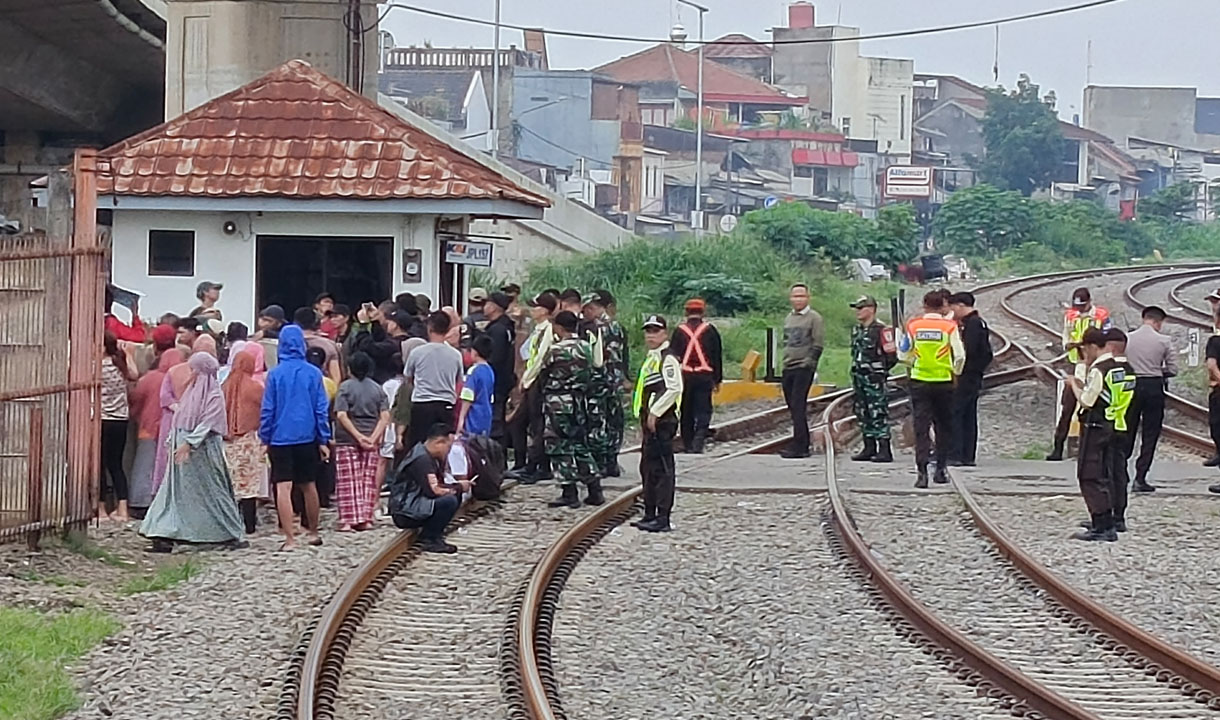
(1119, 390)
(932, 352)
(1080, 325)
(650, 372)
(694, 347)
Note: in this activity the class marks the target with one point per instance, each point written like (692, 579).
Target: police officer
(1081, 316)
(1103, 398)
(567, 371)
(872, 356)
(614, 347)
(658, 392)
(697, 342)
(933, 349)
(529, 460)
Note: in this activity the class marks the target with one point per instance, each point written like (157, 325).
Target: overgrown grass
(1036, 451)
(164, 578)
(34, 650)
(739, 276)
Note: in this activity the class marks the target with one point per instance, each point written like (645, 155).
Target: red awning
(824, 158)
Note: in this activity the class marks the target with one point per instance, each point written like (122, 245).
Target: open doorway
(292, 270)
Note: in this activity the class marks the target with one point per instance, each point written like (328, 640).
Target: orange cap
(696, 304)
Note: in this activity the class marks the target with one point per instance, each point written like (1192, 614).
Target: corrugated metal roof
(296, 133)
(736, 45)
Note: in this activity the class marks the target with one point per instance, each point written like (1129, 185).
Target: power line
(557, 146)
(812, 41)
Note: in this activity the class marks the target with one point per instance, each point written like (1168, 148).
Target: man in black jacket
(503, 360)
(697, 345)
(381, 336)
(976, 338)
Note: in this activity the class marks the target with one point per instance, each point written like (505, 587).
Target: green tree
(1021, 135)
(983, 221)
(896, 238)
(1176, 202)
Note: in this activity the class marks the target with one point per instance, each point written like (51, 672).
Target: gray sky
(1135, 42)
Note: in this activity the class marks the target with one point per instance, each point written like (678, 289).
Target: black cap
(1082, 297)
(604, 297)
(962, 298)
(571, 296)
(323, 296)
(189, 323)
(655, 322)
(566, 320)
(400, 318)
(545, 300)
(511, 289)
(339, 309)
(273, 311)
(500, 299)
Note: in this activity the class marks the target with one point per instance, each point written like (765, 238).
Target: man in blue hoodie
(295, 427)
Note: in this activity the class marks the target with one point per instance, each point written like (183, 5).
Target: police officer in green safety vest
(1101, 467)
(658, 392)
(932, 347)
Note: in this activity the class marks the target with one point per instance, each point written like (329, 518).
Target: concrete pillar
(215, 46)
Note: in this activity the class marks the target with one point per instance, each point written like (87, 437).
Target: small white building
(293, 185)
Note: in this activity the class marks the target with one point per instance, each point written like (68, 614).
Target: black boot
(1213, 462)
(570, 498)
(1056, 454)
(868, 453)
(941, 477)
(884, 454)
(595, 496)
(650, 514)
(612, 470)
(1102, 530)
(793, 453)
(696, 445)
(658, 524)
(249, 514)
(1120, 524)
(1140, 485)
(921, 481)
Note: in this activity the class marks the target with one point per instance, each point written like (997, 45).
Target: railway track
(361, 653)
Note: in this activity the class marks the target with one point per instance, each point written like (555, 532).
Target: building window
(821, 179)
(171, 252)
(846, 126)
(802, 171)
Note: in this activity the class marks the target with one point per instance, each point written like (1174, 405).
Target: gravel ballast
(742, 612)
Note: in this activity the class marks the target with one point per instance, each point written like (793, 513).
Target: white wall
(230, 259)
(865, 86)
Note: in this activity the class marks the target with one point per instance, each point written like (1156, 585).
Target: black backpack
(487, 464)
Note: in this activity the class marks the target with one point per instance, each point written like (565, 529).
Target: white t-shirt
(458, 464)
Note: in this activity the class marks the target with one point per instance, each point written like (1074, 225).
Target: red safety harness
(694, 347)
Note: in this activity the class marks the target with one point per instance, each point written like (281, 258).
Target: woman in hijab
(234, 350)
(246, 454)
(196, 503)
(176, 380)
(259, 353)
(146, 409)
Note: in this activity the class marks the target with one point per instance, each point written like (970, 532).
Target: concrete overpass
(72, 73)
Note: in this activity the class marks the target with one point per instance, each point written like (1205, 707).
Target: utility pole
(495, 88)
(697, 215)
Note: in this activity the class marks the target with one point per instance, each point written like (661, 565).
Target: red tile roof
(824, 158)
(296, 133)
(785, 134)
(666, 63)
(736, 45)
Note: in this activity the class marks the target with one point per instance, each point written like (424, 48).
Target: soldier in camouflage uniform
(609, 343)
(566, 376)
(620, 354)
(872, 356)
(599, 397)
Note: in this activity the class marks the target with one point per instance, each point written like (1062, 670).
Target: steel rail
(1179, 300)
(1202, 677)
(1198, 276)
(1023, 691)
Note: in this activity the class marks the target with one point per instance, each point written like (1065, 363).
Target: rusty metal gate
(51, 286)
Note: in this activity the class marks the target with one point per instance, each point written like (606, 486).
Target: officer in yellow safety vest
(658, 393)
(1081, 316)
(933, 349)
(1101, 468)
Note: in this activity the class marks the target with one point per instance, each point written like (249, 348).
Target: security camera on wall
(229, 228)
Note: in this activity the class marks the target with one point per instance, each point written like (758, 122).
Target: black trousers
(1095, 470)
(499, 408)
(114, 444)
(1117, 474)
(696, 411)
(433, 528)
(932, 410)
(796, 383)
(423, 416)
(966, 417)
(1067, 409)
(525, 430)
(1145, 415)
(657, 472)
(1213, 416)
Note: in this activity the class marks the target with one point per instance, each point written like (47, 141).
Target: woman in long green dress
(195, 503)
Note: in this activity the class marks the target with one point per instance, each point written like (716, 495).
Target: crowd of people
(326, 408)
